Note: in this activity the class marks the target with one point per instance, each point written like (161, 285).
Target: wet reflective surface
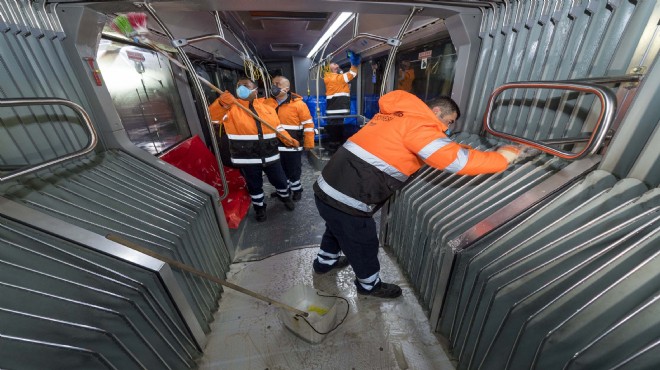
(377, 333)
(276, 255)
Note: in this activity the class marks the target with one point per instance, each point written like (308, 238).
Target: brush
(125, 24)
(122, 25)
(139, 22)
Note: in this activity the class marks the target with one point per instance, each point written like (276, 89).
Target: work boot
(297, 195)
(380, 290)
(288, 203)
(321, 268)
(261, 213)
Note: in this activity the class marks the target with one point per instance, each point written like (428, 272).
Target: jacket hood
(409, 105)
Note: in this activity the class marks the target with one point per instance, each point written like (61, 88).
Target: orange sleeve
(217, 109)
(308, 125)
(438, 151)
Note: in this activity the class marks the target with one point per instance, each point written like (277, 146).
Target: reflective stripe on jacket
(296, 120)
(250, 141)
(338, 91)
(378, 159)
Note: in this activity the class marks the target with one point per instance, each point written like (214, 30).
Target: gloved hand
(353, 57)
(226, 99)
(292, 143)
(510, 152)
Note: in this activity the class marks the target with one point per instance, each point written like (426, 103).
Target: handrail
(364, 119)
(192, 40)
(608, 109)
(82, 114)
(395, 48)
(202, 97)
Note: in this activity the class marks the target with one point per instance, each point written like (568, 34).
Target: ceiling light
(335, 25)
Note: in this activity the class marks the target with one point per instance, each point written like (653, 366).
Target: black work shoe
(261, 213)
(288, 203)
(320, 268)
(380, 290)
(297, 195)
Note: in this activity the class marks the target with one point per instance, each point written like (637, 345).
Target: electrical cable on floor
(348, 308)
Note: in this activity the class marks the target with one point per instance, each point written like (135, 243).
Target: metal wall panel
(82, 307)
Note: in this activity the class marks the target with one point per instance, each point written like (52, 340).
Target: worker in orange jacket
(297, 120)
(338, 97)
(252, 144)
(373, 164)
(406, 77)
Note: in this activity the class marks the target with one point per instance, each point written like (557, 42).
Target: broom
(134, 26)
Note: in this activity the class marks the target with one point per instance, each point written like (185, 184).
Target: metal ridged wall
(66, 306)
(439, 206)
(573, 286)
(115, 193)
(569, 282)
(76, 307)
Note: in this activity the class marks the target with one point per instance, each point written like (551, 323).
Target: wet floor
(376, 334)
(275, 256)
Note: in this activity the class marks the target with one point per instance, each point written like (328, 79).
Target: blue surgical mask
(448, 132)
(243, 92)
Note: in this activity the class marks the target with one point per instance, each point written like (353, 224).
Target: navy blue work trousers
(292, 164)
(255, 182)
(355, 236)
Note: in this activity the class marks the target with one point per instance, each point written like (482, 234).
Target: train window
(144, 93)
(372, 78)
(426, 71)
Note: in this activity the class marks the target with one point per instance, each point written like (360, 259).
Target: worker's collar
(282, 101)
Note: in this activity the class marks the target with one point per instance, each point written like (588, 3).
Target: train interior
(120, 216)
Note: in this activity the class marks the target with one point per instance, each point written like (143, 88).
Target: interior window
(143, 91)
(428, 70)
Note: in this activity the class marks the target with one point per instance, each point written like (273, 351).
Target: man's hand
(354, 58)
(510, 152)
(226, 99)
(292, 143)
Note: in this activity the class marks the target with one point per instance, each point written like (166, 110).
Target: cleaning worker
(338, 97)
(252, 144)
(406, 77)
(297, 120)
(373, 164)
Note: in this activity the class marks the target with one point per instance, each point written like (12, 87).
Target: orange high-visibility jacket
(338, 91)
(394, 144)
(405, 83)
(296, 119)
(250, 141)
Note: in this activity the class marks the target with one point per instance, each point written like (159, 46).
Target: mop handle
(216, 89)
(192, 270)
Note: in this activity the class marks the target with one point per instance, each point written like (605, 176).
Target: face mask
(448, 132)
(243, 92)
(275, 90)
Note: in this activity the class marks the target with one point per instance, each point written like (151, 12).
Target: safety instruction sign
(425, 54)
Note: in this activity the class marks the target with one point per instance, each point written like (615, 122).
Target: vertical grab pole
(200, 92)
(395, 48)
